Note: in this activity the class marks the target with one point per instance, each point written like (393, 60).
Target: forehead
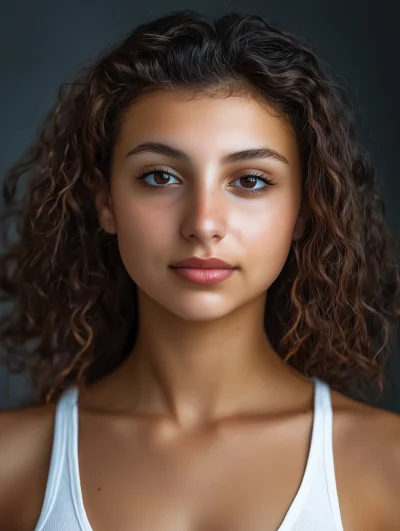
(206, 123)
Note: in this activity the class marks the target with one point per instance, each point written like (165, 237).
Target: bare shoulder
(26, 438)
(366, 442)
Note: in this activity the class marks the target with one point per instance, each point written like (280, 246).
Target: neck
(199, 372)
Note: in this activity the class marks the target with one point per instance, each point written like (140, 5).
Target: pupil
(249, 180)
(157, 173)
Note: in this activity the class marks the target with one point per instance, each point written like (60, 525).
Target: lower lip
(203, 276)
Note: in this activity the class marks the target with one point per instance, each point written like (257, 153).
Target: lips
(203, 263)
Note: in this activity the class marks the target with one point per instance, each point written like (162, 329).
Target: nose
(205, 217)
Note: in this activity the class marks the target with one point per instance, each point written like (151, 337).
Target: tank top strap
(73, 459)
(62, 420)
(316, 449)
(314, 459)
(329, 460)
(317, 434)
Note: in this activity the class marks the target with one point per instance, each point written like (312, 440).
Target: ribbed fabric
(315, 507)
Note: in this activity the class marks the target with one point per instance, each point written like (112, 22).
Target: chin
(200, 311)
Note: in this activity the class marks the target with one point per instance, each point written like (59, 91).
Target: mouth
(203, 275)
(203, 263)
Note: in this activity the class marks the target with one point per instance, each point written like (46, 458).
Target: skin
(210, 348)
(204, 427)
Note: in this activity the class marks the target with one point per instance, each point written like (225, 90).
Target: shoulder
(366, 443)
(26, 438)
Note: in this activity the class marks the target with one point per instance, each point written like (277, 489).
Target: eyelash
(261, 177)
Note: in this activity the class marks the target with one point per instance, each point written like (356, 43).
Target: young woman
(201, 279)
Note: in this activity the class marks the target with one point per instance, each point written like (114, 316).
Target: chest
(230, 480)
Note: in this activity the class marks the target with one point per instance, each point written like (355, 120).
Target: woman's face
(198, 204)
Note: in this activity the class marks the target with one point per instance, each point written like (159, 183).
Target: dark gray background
(44, 43)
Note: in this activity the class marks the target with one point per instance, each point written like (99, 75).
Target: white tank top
(314, 508)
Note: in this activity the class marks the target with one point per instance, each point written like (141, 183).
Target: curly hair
(72, 312)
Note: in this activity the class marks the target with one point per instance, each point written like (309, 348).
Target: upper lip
(204, 263)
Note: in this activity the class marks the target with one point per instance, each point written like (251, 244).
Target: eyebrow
(238, 156)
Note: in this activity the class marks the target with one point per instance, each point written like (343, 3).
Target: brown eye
(249, 180)
(160, 177)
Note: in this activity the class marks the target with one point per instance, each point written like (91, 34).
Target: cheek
(267, 243)
(142, 232)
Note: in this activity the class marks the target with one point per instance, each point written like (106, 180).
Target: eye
(161, 178)
(251, 178)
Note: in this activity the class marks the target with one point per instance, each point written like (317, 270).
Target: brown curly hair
(72, 316)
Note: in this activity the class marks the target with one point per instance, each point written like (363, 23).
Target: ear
(105, 212)
(301, 221)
